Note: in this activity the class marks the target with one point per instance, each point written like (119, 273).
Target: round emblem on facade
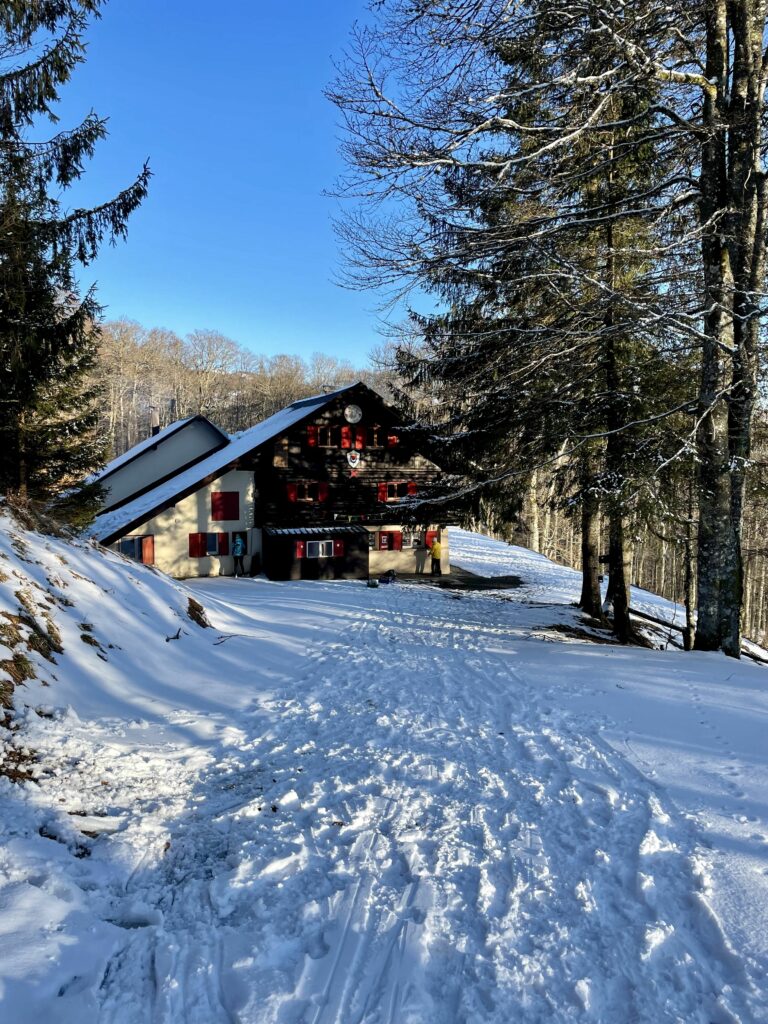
(353, 458)
(353, 414)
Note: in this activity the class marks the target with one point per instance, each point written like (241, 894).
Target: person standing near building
(238, 550)
(436, 551)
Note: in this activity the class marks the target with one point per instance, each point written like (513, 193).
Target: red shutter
(301, 548)
(312, 432)
(431, 535)
(198, 545)
(392, 440)
(382, 491)
(397, 539)
(322, 491)
(223, 543)
(338, 548)
(290, 490)
(225, 505)
(148, 550)
(360, 434)
(346, 437)
(412, 487)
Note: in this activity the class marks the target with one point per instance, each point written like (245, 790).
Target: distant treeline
(154, 371)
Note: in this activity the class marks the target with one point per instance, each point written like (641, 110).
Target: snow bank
(343, 804)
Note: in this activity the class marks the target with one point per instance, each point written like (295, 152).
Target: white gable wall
(186, 445)
(171, 528)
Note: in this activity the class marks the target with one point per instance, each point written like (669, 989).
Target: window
(203, 544)
(394, 490)
(307, 490)
(371, 541)
(376, 436)
(322, 436)
(319, 548)
(411, 539)
(141, 549)
(390, 540)
(225, 505)
(280, 460)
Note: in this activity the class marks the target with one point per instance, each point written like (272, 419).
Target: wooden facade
(326, 470)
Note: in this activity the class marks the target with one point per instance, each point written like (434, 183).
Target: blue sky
(226, 102)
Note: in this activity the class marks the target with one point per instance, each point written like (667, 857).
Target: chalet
(326, 488)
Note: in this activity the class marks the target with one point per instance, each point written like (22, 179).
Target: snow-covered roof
(314, 531)
(117, 521)
(145, 445)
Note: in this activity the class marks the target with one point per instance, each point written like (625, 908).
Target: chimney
(172, 410)
(155, 420)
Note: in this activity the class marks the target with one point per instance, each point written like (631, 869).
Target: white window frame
(319, 549)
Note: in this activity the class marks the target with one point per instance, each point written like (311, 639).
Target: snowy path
(347, 805)
(408, 831)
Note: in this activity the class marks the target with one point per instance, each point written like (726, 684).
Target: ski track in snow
(444, 847)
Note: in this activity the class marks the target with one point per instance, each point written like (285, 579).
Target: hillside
(343, 804)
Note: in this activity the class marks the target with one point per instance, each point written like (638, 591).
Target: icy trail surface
(394, 806)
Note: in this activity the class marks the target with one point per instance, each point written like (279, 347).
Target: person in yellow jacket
(436, 551)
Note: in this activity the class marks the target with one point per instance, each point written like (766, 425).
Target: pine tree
(47, 333)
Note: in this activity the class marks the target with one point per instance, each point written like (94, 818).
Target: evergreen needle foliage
(48, 334)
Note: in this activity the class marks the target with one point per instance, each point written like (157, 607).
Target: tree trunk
(619, 567)
(733, 200)
(690, 587)
(22, 482)
(590, 601)
(534, 541)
